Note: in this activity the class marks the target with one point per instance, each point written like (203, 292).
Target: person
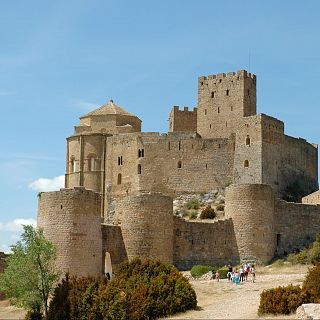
(217, 276)
(247, 270)
(253, 273)
(230, 268)
(229, 276)
(236, 277)
(241, 274)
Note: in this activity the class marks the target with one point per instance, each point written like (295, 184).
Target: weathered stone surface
(308, 311)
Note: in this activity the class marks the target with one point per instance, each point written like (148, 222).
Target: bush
(199, 270)
(207, 213)
(220, 207)
(223, 272)
(311, 284)
(192, 204)
(139, 290)
(281, 300)
(299, 258)
(193, 215)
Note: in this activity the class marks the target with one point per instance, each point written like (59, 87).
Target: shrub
(192, 204)
(223, 272)
(220, 207)
(299, 258)
(281, 300)
(139, 290)
(199, 270)
(207, 213)
(311, 284)
(193, 215)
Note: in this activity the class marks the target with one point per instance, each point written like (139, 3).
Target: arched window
(248, 141)
(212, 94)
(227, 92)
(72, 164)
(139, 168)
(246, 163)
(179, 165)
(92, 163)
(119, 178)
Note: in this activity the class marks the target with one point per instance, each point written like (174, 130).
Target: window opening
(212, 94)
(119, 178)
(227, 92)
(246, 163)
(179, 165)
(140, 153)
(139, 168)
(278, 239)
(218, 109)
(248, 141)
(72, 165)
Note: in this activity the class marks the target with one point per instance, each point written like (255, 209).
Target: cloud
(11, 231)
(43, 184)
(86, 105)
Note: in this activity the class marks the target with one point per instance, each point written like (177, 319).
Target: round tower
(147, 226)
(251, 207)
(71, 220)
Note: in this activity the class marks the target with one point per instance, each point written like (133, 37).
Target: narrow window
(212, 94)
(205, 112)
(226, 123)
(140, 153)
(120, 161)
(139, 168)
(168, 145)
(210, 126)
(219, 145)
(227, 92)
(248, 141)
(231, 108)
(218, 109)
(119, 178)
(248, 92)
(179, 145)
(246, 164)
(179, 165)
(202, 83)
(278, 239)
(72, 165)
(92, 163)
(206, 166)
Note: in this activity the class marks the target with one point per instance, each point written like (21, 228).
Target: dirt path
(8, 312)
(223, 300)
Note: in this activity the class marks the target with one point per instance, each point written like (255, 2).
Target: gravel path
(223, 300)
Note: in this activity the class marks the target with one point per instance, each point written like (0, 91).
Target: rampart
(204, 243)
(71, 219)
(313, 198)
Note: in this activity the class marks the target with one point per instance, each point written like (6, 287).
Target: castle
(120, 184)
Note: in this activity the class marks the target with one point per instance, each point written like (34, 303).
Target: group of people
(242, 274)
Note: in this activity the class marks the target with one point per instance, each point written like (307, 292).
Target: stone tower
(223, 100)
(251, 207)
(86, 149)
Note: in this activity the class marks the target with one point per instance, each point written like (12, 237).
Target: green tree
(30, 276)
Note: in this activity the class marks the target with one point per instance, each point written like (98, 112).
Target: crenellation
(120, 184)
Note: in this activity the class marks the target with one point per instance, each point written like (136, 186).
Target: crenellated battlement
(228, 76)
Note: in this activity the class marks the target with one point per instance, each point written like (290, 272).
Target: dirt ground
(223, 300)
(220, 300)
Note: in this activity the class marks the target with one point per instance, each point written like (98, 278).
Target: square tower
(223, 100)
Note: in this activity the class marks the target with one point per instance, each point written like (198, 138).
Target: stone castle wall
(251, 208)
(146, 222)
(204, 243)
(71, 219)
(183, 120)
(296, 225)
(313, 198)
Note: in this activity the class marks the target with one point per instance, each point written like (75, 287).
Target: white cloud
(11, 231)
(43, 184)
(86, 105)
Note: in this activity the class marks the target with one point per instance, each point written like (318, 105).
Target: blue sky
(60, 59)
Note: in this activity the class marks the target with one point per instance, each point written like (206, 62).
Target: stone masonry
(120, 184)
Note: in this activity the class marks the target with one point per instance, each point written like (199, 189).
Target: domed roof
(109, 108)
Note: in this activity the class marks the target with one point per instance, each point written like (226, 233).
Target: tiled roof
(109, 108)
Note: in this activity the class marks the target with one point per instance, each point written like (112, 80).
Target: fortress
(120, 183)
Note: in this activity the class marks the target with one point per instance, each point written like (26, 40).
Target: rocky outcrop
(308, 311)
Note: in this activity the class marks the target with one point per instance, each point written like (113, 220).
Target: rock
(308, 311)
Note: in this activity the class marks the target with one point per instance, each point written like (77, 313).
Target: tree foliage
(30, 276)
